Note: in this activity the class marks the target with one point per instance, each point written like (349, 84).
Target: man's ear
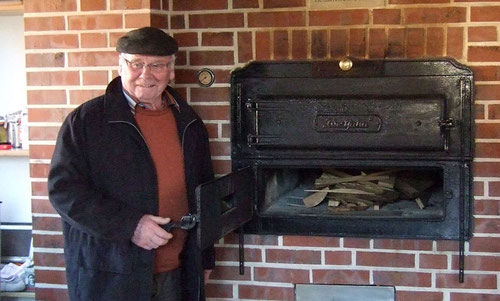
(172, 76)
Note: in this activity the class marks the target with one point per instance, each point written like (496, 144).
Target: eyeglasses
(154, 67)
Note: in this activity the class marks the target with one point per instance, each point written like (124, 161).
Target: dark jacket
(102, 180)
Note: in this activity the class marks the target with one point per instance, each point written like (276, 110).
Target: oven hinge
(447, 124)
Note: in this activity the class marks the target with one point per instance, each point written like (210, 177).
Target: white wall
(12, 74)
(15, 189)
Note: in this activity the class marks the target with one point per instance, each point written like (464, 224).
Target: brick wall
(70, 57)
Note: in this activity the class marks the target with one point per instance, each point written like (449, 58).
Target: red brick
(47, 241)
(338, 257)
(38, 60)
(48, 115)
(56, 78)
(339, 17)
(385, 259)
(210, 94)
(487, 207)
(420, 296)
(485, 13)
(245, 49)
(493, 111)
(447, 245)
(434, 15)
(276, 19)
(200, 58)
(479, 112)
(265, 292)
(229, 273)
(415, 42)
(485, 244)
(232, 254)
(487, 225)
(213, 130)
(486, 169)
(77, 97)
(482, 34)
(42, 206)
(395, 43)
(39, 170)
(220, 148)
(86, 22)
(403, 244)
(417, 1)
(319, 44)
(51, 294)
(478, 188)
(494, 189)
(44, 23)
(338, 43)
(455, 42)
(94, 40)
(46, 97)
(226, 131)
(177, 22)
(213, 290)
(217, 39)
(47, 223)
(30, 6)
(129, 4)
(41, 151)
(473, 297)
(216, 20)
(64, 41)
(281, 44)
(358, 243)
(136, 20)
(341, 277)
(402, 278)
(159, 21)
(486, 73)
(50, 276)
(431, 261)
(386, 16)
(93, 5)
(186, 39)
(471, 281)
(259, 240)
(245, 3)
(181, 5)
(484, 54)
(435, 41)
(221, 167)
(357, 42)
(310, 241)
(91, 78)
(91, 59)
(299, 44)
(487, 130)
(293, 256)
(378, 43)
(478, 263)
(266, 274)
(283, 3)
(262, 45)
(49, 259)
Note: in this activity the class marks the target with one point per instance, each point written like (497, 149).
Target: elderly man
(126, 163)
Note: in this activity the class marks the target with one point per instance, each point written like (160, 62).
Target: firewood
(420, 203)
(412, 185)
(316, 198)
(341, 190)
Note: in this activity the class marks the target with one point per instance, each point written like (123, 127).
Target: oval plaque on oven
(347, 123)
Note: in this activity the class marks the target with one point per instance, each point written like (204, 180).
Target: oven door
(223, 205)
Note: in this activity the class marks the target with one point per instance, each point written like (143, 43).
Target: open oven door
(224, 205)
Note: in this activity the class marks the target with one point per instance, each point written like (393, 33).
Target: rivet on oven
(345, 64)
(418, 123)
(448, 194)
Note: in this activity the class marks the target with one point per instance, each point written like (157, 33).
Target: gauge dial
(206, 77)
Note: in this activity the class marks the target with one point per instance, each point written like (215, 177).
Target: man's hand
(149, 235)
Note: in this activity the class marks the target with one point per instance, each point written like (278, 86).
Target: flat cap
(147, 41)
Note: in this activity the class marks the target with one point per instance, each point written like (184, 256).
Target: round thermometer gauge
(206, 77)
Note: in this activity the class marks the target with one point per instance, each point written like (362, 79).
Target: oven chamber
(293, 120)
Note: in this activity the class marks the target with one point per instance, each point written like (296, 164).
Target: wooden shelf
(25, 295)
(8, 6)
(15, 153)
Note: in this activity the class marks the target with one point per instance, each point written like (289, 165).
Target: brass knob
(345, 64)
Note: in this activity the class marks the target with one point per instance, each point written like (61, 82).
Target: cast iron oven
(292, 122)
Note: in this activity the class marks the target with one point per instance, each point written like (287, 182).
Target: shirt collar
(132, 103)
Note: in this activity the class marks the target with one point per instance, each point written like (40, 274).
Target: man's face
(145, 77)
